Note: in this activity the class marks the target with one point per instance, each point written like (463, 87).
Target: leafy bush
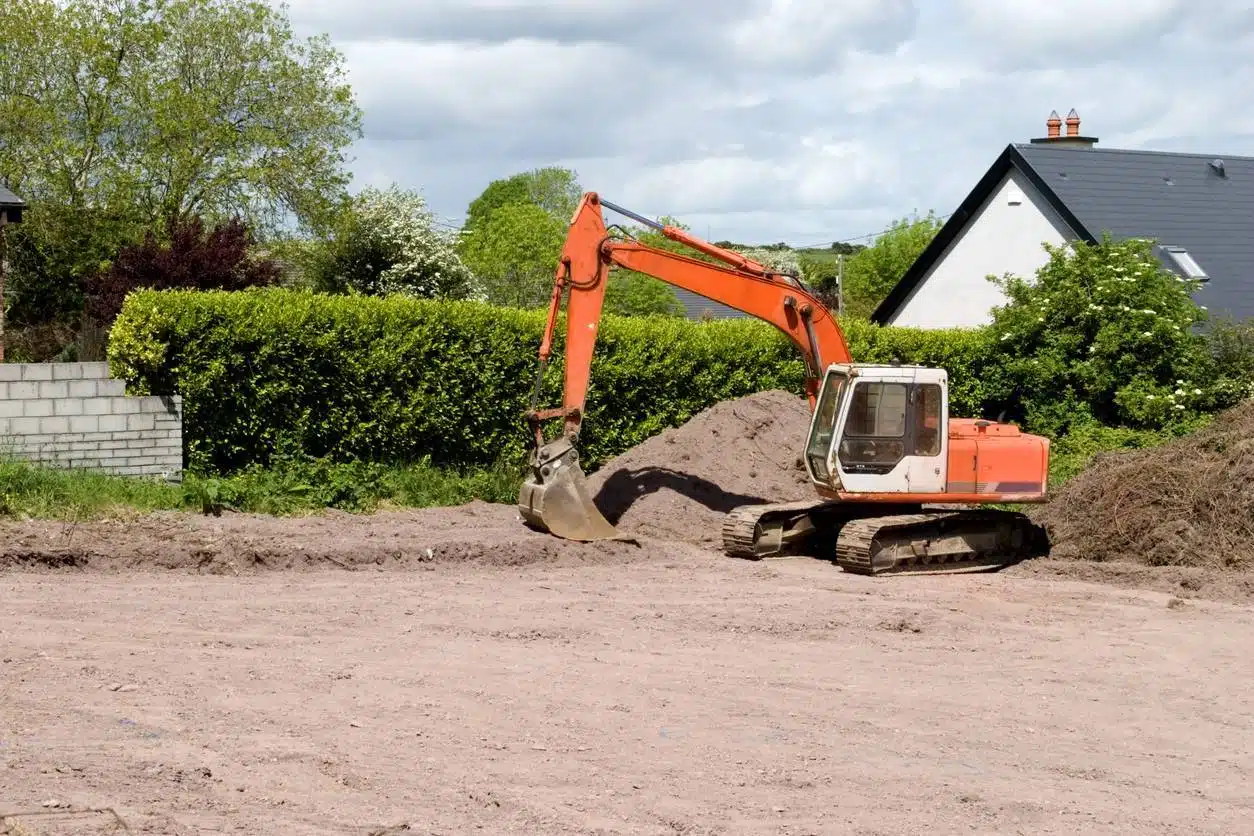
(191, 256)
(871, 273)
(275, 373)
(388, 241)
(1104, 334)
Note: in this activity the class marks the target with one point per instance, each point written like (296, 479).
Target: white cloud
(1079, 24)
(818, 33)
(474, 85)
(768, 120)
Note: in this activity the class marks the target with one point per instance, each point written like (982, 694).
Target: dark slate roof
(696, 306)
(9, 199)
(12, 203)
(1177, 199)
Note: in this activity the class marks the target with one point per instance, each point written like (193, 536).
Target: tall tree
(514, 252)
(555, 190)
(871, 273)
(118, 115)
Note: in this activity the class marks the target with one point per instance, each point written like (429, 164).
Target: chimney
(1053, 123)
(1073, 139)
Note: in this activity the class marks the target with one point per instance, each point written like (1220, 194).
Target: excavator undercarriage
(898, 540)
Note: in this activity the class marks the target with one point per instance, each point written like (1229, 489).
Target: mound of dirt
(477, 533)
(678, 484)
(1187, 503)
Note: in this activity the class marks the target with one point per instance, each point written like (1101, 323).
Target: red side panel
(996, 460)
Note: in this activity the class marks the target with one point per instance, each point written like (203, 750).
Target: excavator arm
(739, 283)
(555, 497)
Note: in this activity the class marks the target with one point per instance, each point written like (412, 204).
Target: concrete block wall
(76, 415)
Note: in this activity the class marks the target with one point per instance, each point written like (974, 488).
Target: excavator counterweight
(902, 487)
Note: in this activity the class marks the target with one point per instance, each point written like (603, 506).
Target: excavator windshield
(823, 426)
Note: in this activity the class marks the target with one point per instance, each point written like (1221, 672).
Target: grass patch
(28, 490)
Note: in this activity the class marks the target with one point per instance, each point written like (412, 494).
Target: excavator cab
(879, 430)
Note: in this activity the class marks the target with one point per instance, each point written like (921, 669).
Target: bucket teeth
(555, 497)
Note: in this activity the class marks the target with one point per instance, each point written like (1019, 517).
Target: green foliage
(1104, 333)
(165, 107)
(872, 272)
(554, 190)
(632, 294)
(27, 490)
(296, 486)
(966, 354)
(303, 485)
(387, 241)
(118, 114)
(268, 375)
(514, 252)
(820, 270)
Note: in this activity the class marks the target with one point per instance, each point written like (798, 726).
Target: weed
(293, 486)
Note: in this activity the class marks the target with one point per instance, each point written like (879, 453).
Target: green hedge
(266, 372)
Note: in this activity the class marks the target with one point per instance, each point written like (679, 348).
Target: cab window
(875, 431)
(825, 417)
(927, 420)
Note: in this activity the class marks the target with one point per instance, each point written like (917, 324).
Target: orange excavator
(901, 487)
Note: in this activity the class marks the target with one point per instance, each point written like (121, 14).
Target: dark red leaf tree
(191, 258)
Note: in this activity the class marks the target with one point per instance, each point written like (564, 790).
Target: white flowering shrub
(783, 261)
(1104, 333)
(389, 242)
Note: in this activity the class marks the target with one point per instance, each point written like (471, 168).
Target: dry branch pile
(1187, 503)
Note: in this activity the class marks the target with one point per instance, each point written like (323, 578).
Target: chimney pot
(1053, 123)
(1073, 123)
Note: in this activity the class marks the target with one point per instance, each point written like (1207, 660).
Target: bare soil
(678, 484)
(449, 671)
(576, 689)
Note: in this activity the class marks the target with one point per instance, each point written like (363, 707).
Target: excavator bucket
(555, 496)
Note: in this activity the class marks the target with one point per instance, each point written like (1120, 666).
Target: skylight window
(1185, 262)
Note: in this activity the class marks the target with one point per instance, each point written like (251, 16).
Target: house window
(1181, 258)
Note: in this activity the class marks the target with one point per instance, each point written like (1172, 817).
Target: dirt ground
(441, 672)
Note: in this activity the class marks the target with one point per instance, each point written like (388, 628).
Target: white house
(1199, 208)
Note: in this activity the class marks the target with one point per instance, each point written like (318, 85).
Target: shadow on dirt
(622, 489)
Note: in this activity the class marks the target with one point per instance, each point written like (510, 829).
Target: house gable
(1197, 203)
(1038, 213)
(1002, 235)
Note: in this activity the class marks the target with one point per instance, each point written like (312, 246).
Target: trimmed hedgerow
(278, 372)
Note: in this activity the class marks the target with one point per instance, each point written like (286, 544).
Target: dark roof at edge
(7, 198)
(696, 305)
(1175, 198)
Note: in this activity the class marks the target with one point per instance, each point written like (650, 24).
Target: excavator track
(906, 540)
(936, 542)
(757, 531)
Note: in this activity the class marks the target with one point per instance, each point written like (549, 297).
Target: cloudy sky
(804, 121)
